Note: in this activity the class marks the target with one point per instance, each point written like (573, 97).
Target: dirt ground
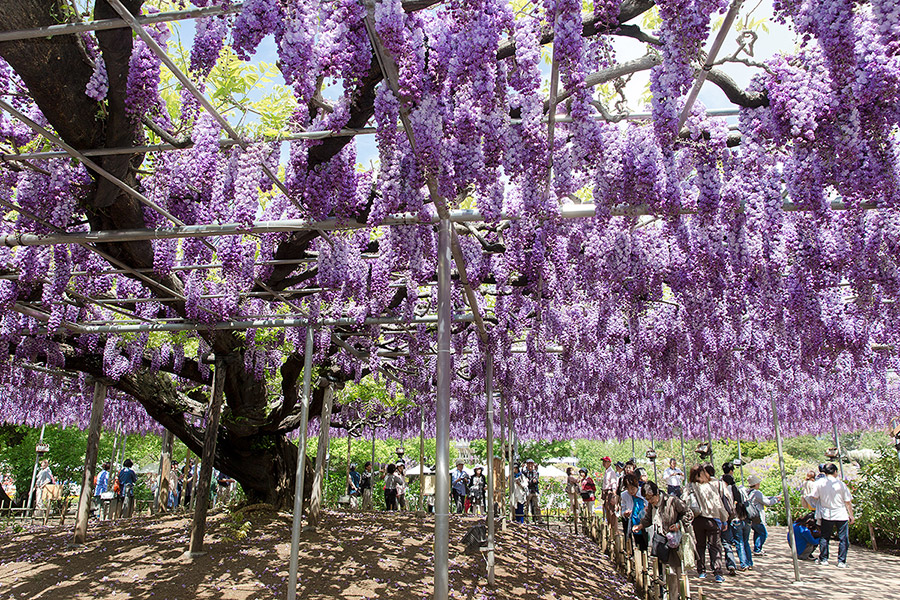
(353, 555)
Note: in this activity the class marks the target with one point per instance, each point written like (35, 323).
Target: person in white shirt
(674, 478)
(834, 501)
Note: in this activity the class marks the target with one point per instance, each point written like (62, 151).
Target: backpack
(117, 487)
(750, 509)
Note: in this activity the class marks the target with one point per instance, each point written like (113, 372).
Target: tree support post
(504, 449)
(489, 430)
(442, 419)
(301, 465)
(315, 500)
(210, 436)
(511, 515)
(741, 459)
(712, 460)
(165, 464)
(787, 497)
(90, 463)
(683, 458)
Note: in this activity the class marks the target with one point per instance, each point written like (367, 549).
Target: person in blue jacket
(807, 535)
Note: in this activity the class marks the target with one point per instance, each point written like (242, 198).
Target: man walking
(459, 487)
(834, 500)
(365, 486)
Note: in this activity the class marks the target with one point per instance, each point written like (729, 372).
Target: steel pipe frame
(301, 135)
(568, 211)
(442, 420)
(489, 433)
(106, 24)
(301, 466)
(786, 497)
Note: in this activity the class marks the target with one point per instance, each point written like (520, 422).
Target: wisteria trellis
(746, 284)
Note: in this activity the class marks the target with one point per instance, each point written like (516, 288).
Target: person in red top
(588, 492)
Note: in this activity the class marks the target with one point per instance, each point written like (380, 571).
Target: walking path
(869, 576)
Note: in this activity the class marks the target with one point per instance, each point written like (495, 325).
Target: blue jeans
(729, 543)
(759, 536)
(741, 533)
(843, 533)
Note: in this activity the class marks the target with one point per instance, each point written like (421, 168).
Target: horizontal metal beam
(273, 323)
(105, 24)
(569, 211)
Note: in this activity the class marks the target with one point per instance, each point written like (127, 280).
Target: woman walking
(664, 519)
(708, 500)
(573, 487)
(588, 492)
(760, 533)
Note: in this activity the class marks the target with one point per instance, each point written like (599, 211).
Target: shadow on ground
(352, 555)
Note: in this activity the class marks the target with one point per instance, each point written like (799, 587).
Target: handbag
(659, 547)
(107, 495)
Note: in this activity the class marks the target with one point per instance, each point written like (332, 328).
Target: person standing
(365, 486)
(401, 484)
(760, 533)
(665, 516)
(836, 504)
(477, 491)
(532, 503)
(391, 482)
(608, 488)
(674, 478)
(588, 492)
(520, 493)
(459, 487)
(353, 483)
(101, 496)
(127, 480)
(807, 491)
(224, 484)
(708, 498)
(44, 477)
(736, 538)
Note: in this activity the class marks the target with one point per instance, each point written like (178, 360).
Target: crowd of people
(715, 524)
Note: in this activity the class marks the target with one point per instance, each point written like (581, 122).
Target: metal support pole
(741, 459)
(712, 460)
(504, 449)
(442, 420)
(787, 497)
(301, 466)
(489, 427)
(90, 463)
(37, 460)
(316, 499)
(422, 458)
(512, 461)
(837, 443)
(633, 457)
(373, 455)
(684, 466)
(653, 447)
(202, 480)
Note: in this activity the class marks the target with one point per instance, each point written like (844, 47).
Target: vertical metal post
(741, 459)
(787, 497)
(422, 458)
(837, 443)
(712, 459)
(633, 457)
(489, 427)
(512, 461)
(373, 456)
(442, 419)
(504, 449)
(37, 460)
(684, 466)
(653, 447)
(301, 466)
(90, 463)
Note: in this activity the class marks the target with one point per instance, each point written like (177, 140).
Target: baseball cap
(607, 459)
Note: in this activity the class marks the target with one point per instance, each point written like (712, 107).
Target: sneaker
(701, 576)
(757, 552)
(732, 571)
(842, 565)
(822, 561)
(719, 579)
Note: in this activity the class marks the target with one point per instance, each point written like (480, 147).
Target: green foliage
(236, 527)
(876, 498)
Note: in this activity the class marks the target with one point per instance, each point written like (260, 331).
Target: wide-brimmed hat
(753, 480)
